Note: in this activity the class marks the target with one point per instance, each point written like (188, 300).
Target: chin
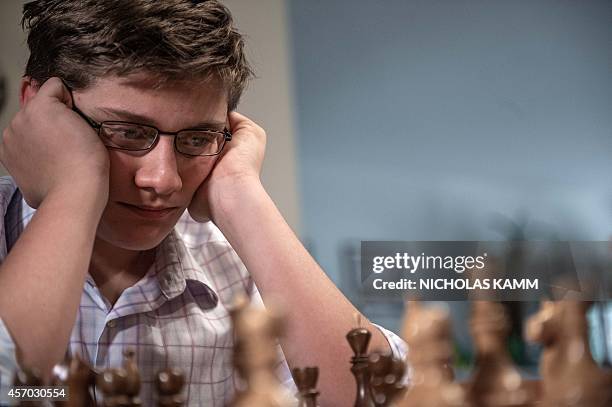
(134, 238)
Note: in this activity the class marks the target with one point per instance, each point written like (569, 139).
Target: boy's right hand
(48, 148)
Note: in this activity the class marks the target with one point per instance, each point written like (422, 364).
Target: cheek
(194, 171)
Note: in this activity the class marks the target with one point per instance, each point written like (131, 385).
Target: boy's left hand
(240, 162)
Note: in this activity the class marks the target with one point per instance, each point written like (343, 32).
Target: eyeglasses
(139, 137)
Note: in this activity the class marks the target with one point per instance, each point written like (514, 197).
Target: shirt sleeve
(8, 363)
(399, 350)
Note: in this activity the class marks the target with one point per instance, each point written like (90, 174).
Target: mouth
(150, 212)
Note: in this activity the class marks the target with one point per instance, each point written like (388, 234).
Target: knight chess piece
(428, 334)
(570, 376)
(306, 382)
(496, 381)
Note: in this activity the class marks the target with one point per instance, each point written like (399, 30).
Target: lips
(150, 212)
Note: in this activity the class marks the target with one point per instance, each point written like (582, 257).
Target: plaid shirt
(175, 316)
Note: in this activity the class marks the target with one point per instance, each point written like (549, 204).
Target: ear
(29, 88)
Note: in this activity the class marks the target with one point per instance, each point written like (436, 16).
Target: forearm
(41, 279)
(318, 315)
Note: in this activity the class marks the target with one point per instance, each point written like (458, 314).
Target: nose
(158, 169)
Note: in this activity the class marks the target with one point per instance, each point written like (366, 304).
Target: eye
(129, 133)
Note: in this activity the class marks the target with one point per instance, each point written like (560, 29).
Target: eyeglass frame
(227, 135)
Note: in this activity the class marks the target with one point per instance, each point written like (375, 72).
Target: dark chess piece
(28, 377)
(80, 379)
(169, 384)
(570, 376)
(428, 334)
(306, 382)
(359, 339)
(386, 375)
(496, 381)
(121, 386)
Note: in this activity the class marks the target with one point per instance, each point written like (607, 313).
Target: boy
(126, 145)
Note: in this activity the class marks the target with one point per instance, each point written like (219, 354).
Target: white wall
(268, 100)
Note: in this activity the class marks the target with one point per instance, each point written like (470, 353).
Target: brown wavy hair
(173, 40)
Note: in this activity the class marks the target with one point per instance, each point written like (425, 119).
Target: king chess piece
(570, 376)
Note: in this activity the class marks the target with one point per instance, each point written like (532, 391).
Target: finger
(55, 88)
(238, 121)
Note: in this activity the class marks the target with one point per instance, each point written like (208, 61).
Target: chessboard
(569, 375)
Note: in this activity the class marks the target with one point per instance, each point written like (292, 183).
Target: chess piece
(169, 384)
(306, 381)
(570, 376)
(255, 356)
(386, 375)
(78, 376)
(28, 377)
(428, 334)
(121, 386)
(496, 382)
(359, 339)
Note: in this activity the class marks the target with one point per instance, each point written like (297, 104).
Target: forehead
(170, 104)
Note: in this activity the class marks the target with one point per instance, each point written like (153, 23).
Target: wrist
(230, 198)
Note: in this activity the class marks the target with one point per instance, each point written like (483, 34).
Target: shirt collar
(176, 268)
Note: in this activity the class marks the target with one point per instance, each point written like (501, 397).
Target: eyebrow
(124, 115)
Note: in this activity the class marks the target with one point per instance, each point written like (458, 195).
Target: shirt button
(111, 324)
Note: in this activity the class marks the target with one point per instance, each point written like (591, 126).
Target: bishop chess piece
(428, 334)
(121, 386)
(496, 381)
(169, 384)
(255, 356)
(306, 381)
(570, 376)
(386, 375)
(77, 375)
(359, 339)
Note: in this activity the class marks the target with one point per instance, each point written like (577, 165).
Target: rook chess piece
(306, 382)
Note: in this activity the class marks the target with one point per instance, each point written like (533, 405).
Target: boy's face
(161, 177)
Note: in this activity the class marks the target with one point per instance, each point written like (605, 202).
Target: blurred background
(423, 120)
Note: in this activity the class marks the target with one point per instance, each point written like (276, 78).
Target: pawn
(386, 375)
(496, 382)
(121, 386)
(28, 377)
(570, 376)
(306, 382)
(169, 384)
(359, 339)
(78, 376)
(428, 334)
